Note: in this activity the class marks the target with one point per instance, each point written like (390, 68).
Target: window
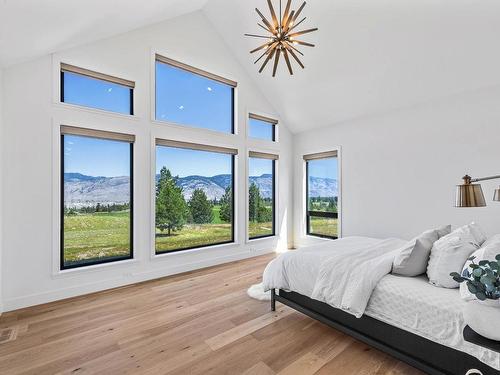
(261, 195)
(96, 90)
(262, 127)
(194, 196)
(96, 197)
(322, 194)
(193, 97)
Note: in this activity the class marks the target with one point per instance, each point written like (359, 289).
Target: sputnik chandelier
(281, 39)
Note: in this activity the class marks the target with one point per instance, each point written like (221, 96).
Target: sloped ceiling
(30, 28)
(371, 56)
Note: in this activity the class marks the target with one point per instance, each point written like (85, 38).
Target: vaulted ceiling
(371, 56)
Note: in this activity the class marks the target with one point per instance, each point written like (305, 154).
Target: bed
(404, 316)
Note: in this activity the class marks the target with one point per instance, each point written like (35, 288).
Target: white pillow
(492, 240)
(449, 254)
(478, 233)
(443, 231)
(488, 252)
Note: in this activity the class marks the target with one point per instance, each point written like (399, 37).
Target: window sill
(262, 239)
(207, 131)
(94, 268)
(166, 255)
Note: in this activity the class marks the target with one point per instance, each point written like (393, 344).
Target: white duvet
(342, 273)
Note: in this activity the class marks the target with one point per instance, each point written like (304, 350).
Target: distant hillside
(81, 190)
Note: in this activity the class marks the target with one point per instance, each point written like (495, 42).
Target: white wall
(31, 173)
(399, 170)
(1, 190)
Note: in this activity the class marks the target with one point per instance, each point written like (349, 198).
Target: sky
(324, 168)
(89, 92)
(181, 97)
(260, 129)
(258, 167)
(96, 157)
(186, 98)
(183, 162)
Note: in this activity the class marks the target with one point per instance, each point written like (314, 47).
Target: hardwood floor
(196, 323)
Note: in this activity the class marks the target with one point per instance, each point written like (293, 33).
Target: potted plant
(483, 281)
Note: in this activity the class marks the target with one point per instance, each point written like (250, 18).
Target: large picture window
(261, 195)
(96, 90)
(96, 197)
(193, 97)
(261, 127)
(322, 194)
(194, 196)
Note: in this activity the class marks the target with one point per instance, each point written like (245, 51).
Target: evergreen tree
(200, 208)
(226, 206)
(171, 208)
(254, 202)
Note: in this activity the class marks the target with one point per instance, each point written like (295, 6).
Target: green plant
(483, 278)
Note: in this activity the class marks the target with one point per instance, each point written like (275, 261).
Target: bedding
(320, 271)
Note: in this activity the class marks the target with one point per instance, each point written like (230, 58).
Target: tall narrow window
(189, 96)
(194, 196)
(322, 194)
(262, 127)
(96, 90)
(261, 195)
(96, 197)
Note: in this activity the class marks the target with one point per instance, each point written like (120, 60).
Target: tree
(226, 206)
(200, 207)
(171, 208)
(254, 202)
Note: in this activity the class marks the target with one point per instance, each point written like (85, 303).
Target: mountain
(81, 190)
(323, 187)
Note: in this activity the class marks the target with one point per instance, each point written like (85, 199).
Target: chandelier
(282, 38)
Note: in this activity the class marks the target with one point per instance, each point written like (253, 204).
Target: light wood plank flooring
(195, 323)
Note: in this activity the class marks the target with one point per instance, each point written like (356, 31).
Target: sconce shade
(496, 197)
(470, 195)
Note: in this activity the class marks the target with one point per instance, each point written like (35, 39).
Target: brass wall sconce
(470, 194)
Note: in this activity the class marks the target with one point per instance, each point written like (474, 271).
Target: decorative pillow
(449, 254)
(488, 252)
(413, 257)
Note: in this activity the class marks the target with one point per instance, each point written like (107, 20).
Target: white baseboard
(50, 296)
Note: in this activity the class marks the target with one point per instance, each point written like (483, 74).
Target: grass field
(89, 237)
(324, 226)
(260, 229)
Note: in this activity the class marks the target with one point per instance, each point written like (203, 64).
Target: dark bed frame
(426, 355)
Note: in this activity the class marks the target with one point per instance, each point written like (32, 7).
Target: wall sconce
(471, 195)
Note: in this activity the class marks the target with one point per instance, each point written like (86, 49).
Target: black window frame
(231, 241)
(192, 70)
(311, 213)
(61, 98)
(62, 265)
(274, 206)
